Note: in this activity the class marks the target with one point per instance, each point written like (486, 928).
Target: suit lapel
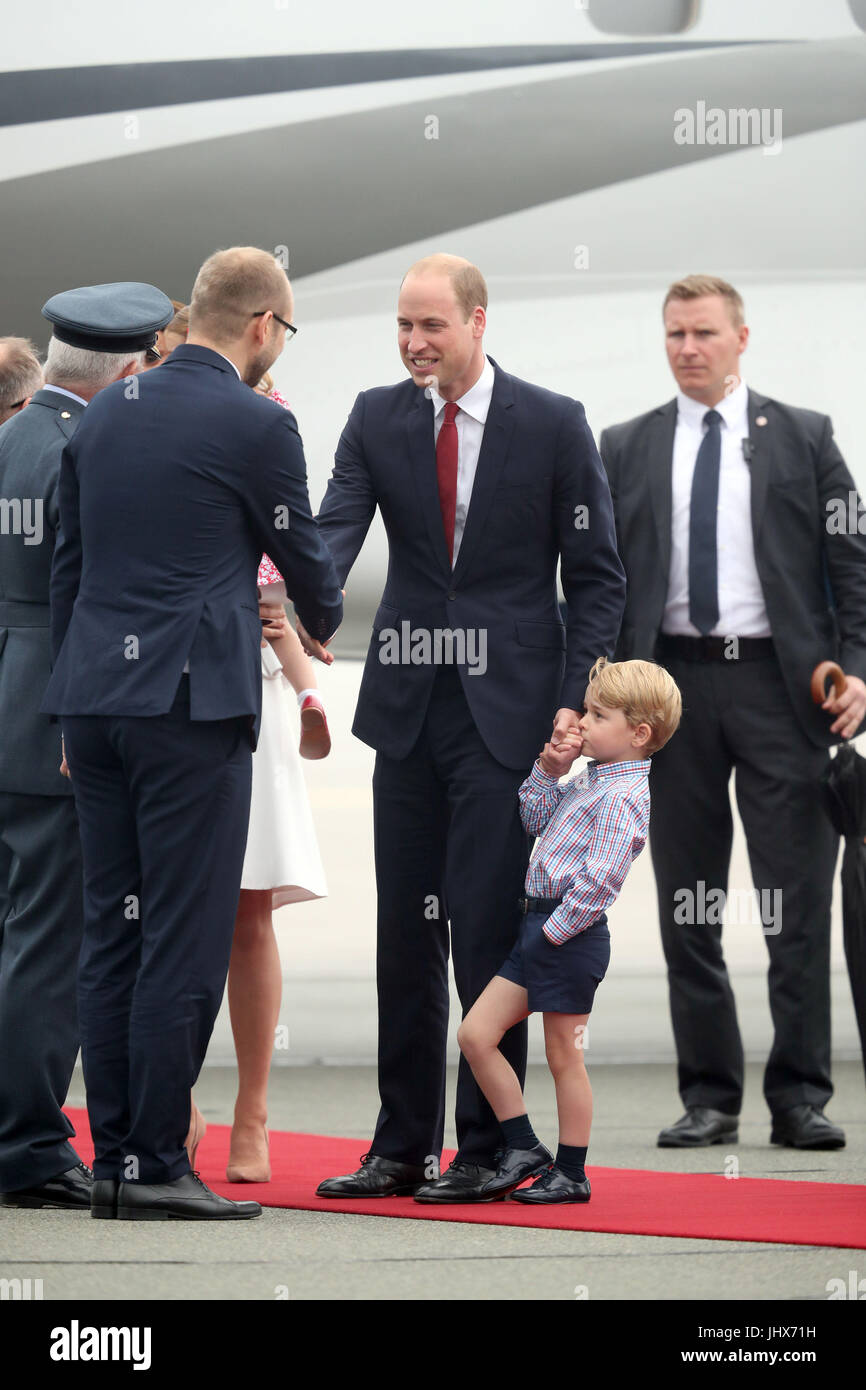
(422, 456)
(762, 441)
(657, 463)
(498, 429)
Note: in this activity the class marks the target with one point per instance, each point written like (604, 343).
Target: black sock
(518, 1132)
(570, 1160)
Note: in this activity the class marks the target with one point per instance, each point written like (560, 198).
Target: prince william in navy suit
(170, 490)
(485, 483)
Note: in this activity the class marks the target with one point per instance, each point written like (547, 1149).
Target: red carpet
(626, 1200)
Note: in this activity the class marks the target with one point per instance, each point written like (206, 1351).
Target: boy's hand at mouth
(574, 739)
(556, 760)
(567, 739)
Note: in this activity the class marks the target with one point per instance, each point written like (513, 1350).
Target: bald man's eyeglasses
(289, 327)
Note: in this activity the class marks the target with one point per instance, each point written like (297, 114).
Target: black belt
(538, 904)
(714, 648)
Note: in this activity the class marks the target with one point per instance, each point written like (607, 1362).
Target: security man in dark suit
(740, 583)
(169, 494)
(100, 335)
(486, 483)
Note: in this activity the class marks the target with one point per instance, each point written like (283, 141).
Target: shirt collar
(230, 362)
(476, 401)
(61, 390)
(731, 408)
(634, 766)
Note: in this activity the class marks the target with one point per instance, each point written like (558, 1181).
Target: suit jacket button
(65, 415)
(452, 595)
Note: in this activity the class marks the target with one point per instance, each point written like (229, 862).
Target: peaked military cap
(123, 317)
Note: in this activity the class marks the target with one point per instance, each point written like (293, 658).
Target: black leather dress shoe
(103, 1199)
(554, 1186)
(376, 1177)
(513, 1167)
(462, 1182)
(805, 1127)
(185, 1199)
(699, 1127)
(68, 1190)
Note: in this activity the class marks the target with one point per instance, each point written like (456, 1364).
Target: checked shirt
(590, 829)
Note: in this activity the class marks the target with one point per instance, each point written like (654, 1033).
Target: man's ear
(261, 330)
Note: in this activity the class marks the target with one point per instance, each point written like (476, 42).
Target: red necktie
(446, 473)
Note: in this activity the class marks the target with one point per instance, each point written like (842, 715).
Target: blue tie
(703, 566)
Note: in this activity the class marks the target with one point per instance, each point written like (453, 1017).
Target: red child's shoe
(315, 739)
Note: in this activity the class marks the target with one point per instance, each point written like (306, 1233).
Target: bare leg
(255, 990)
(564, 1040)
(501, 1005)
(298, 670)
(297, 666)
(197, 1130)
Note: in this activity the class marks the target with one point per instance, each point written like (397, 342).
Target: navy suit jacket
(538, 464)
(813, 581)
(171, 488)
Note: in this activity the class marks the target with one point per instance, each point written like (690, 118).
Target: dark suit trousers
(163, 804)
(737, 715)
(40, 938)
(449, 844)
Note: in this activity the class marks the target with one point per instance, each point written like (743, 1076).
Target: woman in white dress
(282, 865)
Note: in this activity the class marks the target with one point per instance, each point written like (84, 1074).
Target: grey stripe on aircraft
(334, 190)
(50, 94)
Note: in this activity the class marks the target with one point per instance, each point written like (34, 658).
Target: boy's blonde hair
(646, 694)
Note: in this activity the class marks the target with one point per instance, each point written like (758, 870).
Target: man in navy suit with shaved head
(170, 491)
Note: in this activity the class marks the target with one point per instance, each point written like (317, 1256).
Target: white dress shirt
(742, 612)
(470, 419)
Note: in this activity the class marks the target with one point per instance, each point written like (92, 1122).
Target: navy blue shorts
(559, 979)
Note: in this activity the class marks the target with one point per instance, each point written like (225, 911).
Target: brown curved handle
(822, 671)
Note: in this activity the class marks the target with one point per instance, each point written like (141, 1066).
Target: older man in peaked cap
(101, 333)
